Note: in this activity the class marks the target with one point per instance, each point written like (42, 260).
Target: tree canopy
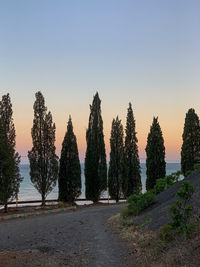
(115, 174)
(10, 177)
(155, 151)
(70, 169)
(131, 156)
(95, 159)
(190, 151)
(42, 157)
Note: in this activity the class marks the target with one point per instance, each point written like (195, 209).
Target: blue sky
(146, 52)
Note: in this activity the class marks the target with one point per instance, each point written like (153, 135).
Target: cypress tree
(42, 157)
(95, 159)
(190, 151)
(70, 169)
(115, 174)
(155, 151)
(131, 155)
(9, 159)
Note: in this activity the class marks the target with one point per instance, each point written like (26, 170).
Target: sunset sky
(146, 52)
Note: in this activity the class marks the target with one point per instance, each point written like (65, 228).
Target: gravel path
(79, 238)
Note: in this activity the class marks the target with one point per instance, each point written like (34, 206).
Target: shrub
(166, 233)
(182, 210)
(173, 178)
(148, 221)
(160, 247)
(188, 173)
(164, 183)
(125, 212)
(160, 185)
(196, 166)
(138, 202)
(61, 204)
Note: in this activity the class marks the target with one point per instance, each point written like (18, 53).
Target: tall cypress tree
(131, 155)
(43, 159)
(70, 169)
(155, 150)
(115, 174)
(190, 151)
(9, 159)
(95, 159)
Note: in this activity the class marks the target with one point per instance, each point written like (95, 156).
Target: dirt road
(79, 238)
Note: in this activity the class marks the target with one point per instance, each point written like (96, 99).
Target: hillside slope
(142, 232)
(159, 212)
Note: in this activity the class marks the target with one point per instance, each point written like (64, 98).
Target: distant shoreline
(141, 163)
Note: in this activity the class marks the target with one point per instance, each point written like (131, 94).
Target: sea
(28, 192)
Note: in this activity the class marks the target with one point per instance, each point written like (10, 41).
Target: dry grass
(137, 240)
(147, 249)
(35, 257)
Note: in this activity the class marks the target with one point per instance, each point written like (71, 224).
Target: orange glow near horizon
(171, 133)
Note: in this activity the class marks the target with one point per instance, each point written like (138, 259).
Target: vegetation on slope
(168, 232)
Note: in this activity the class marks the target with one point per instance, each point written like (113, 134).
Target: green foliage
(95, 159)
(160, 247)
(115, 173)
(190, 153)
(196, 166)
(70, 170)
(61, 204)
(42, 157)
(166, 233)
(138, 202)
(126, 212)
(148, 221)
(188, 173)
(160, 186)
(181, 210)
(133, 179)
(9, 159)
(164, 183)
(127, 223)
(155, 150)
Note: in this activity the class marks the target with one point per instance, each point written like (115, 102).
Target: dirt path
(80, 238)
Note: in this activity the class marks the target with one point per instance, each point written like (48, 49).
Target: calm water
(28, 192)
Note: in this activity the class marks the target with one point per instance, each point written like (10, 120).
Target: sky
(143, 52)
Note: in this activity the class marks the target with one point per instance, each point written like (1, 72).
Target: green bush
(181, 210)
(61, 204)
(166, 233)
(160, 186)
(164, 183)
(188, 173)
(196, 166)
(138, 202)
(125, 212)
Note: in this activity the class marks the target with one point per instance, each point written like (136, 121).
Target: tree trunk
(96, 200)
(6, 207)
(43, 200)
